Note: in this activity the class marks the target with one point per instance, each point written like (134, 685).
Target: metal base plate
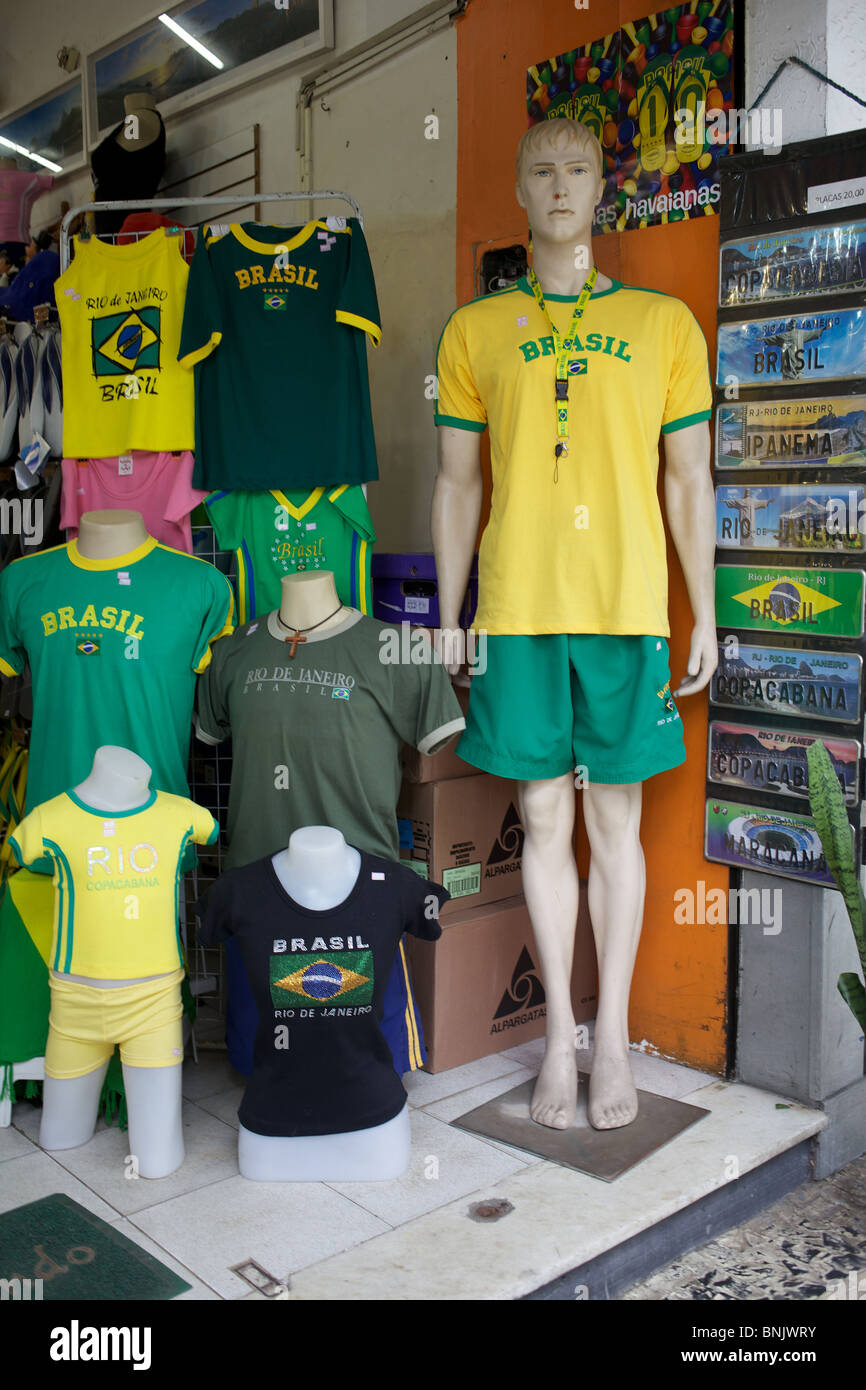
(602, 1153)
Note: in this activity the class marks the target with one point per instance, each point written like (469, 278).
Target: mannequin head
(559, 179)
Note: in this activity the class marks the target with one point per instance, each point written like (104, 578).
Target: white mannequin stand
(118, 781)
(319, 870)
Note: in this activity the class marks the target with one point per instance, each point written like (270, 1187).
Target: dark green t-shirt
(316, 738)
(275, 327)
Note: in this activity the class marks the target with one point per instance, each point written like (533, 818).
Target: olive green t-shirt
(316, 737)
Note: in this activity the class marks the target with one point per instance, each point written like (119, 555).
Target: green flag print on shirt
(319, 980)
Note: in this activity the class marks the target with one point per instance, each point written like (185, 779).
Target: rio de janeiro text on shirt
(65, 618)
(304, 675)
(292, 275)
(545, 347)
(116, 301)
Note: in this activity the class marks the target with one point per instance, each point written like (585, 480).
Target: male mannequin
(319, 870)
(559, 184)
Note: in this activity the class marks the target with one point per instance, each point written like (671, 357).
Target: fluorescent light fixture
(193, 43)
(37, 158)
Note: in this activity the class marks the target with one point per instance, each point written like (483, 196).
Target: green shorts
(548, 704)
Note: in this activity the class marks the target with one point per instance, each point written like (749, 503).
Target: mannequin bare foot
(612, 1093)
(554, 1100)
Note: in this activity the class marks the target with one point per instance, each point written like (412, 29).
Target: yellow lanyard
(563, 347)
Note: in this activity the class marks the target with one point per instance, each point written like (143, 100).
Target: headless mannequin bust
(309, 600)
(102, 535)
(319, 870)
(560, 188)
(136, 137)
(118, 781)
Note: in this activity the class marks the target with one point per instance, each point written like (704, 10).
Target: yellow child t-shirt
(116, 881)
(579, 547)
(121, 309)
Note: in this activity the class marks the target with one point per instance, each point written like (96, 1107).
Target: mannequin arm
(456, 512)
(690, 508)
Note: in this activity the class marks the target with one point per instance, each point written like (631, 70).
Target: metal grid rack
(209, 767)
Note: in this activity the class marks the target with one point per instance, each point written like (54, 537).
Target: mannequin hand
(703, 660)
(450, 647)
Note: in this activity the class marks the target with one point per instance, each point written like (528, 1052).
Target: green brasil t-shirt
(316, 737)
(114, 647)
(278, 533)
(275, 326)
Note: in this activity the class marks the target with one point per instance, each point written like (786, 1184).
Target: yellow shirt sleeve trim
(8, 670)
(226, 631)
(199, 354)
(355, 321)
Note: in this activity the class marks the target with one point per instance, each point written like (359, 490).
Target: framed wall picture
(51, 128)
(234, 42)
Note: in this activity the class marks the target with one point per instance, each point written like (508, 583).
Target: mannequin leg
(154, 1100)
(70, 1109)
(617, 886)
(550, 886)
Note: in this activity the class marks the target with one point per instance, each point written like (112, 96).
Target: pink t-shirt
(19, 189)
(159, 486)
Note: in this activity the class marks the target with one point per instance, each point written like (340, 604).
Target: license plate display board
(821, 603)
(787, 265)
(791, 516)
(774, 760)
(778, 680)
(792, 348)
(824, 432)
(759, 837)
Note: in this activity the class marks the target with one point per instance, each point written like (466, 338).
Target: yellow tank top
(121, 309)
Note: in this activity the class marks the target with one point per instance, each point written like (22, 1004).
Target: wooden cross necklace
(296, 632)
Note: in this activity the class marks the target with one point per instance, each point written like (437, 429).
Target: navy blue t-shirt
(321, 1064)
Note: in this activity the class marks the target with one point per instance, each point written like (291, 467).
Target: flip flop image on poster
(785, 265)
(801, 516)
(819, 603)
(773, 842)
(778, 680)
(774, 760)
(828, 432)
(784, 351)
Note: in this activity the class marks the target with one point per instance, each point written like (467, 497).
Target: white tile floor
(409, 1238)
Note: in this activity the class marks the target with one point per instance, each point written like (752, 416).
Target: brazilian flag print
(125, 342)
(310, 979)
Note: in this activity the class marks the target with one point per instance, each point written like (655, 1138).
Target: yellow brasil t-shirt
(581, 548)
(121, 309)
(116, 881)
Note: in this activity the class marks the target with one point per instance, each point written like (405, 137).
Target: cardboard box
(465, 834)
(438, 767)
(405, 589)
(479, 987)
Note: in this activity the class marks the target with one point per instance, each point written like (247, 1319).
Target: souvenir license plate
(774, 760)
(806, 260)
(791, 348)
(773, 842)
(777, 680)
(829, 432)
(820, 603)
(792, 516)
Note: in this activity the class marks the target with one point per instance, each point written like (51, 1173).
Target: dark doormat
(605, 1154)
(77, 1255)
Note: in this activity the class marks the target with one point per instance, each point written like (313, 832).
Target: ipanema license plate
(791, 516)
(819, 603)
(778, 680)
(825, 432)
(784, 265)
(759, 837)
(792, 348)
(774, 760)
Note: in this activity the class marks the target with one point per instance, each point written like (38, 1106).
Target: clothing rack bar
(215, 199)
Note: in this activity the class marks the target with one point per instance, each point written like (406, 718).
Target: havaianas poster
(658, 94)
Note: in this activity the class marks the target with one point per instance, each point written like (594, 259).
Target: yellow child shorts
(85, 1023)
